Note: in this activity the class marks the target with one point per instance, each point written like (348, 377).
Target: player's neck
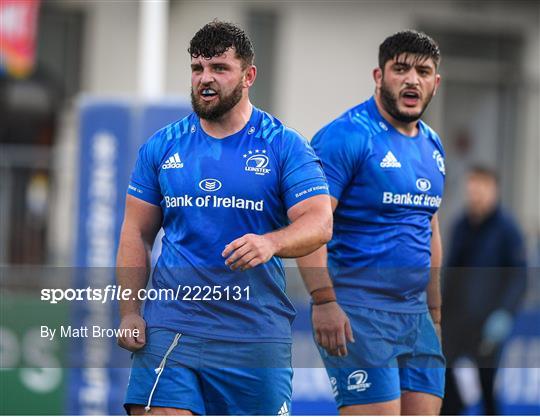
(407, 129)
(232, 122)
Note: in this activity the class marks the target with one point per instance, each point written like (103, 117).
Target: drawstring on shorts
(160, 368)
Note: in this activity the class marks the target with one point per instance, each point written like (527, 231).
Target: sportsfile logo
(357, 381)
(390, 161)
(173, 162)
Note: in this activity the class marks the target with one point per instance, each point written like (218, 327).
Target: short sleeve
(338, 145)
(144, 183)
(302, 176)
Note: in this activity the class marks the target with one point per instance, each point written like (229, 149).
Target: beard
(215, 111)
(389, 102)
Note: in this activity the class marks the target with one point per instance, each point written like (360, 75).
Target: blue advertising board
(110, 132)
(517, 385)
(105, 130)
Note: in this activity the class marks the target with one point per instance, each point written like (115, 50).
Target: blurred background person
(484, 286)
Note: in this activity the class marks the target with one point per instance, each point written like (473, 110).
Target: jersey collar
(253, 122)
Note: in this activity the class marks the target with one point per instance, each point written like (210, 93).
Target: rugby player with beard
(235, 191)
(375, 286)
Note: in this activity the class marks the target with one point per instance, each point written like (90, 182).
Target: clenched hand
(132, 322)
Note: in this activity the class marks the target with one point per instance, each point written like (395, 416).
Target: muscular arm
(434, 299)
(141, 224)
(310, 228)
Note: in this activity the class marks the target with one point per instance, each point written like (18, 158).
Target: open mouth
(208, 94)
(410, 97)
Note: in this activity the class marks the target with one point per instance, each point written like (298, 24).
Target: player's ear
(250, 75)
(377, 77)
(437, 83)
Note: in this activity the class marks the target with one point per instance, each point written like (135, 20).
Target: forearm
(314, 271)
(132, 268)
(331, 326)
(310, 228)
(434, 298)
(304, 235)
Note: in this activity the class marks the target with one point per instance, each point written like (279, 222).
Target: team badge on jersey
(440, 161)
(257, 161)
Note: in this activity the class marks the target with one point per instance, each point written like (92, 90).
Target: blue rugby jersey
(388, 186)
(211, 192)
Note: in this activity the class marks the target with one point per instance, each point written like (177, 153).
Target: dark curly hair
(409, 42)
(214, 38)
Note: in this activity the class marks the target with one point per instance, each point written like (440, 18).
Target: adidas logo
(173, 162)
(284, 410)
(390, 161)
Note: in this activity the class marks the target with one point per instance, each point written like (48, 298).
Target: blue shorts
(209, 376)
(393, 352)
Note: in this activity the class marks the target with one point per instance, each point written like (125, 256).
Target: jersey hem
(371, 400)
(421, 310)
(335, 191)
(146, 194)
(139, 197)
(307, 196)
(181, 405)
(187, 331)
(425, 390)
